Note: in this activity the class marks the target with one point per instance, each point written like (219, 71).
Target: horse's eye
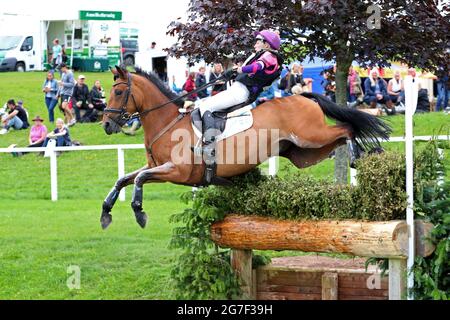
(117, 92)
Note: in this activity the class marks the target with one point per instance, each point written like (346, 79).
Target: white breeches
(237, 93)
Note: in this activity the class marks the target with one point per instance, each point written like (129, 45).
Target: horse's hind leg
(165, 172)
(305, 157)
(112, 196)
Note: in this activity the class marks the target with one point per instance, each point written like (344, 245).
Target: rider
(258, 71)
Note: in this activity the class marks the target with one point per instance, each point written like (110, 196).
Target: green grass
(39, 238)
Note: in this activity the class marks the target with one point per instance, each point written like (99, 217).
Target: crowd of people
(371, 92)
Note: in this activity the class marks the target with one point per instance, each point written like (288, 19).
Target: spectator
(60, 134)
(81, 98)
(201, 81)
(328, 85)
(285, 84)
(66, 85)
(266, 95)
(216, 73)
(56, 54)
(174, 86)
(50, 88)
(396, 88)
(375, 91)
(189, 86)
(354, 85)
(152, 46)
(16, 119)
(133, 124)
(37, 136)
(298, 83)
(64, 57)
(98, 96)
(442, 92)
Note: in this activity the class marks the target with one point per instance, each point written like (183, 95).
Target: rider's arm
(254, 67)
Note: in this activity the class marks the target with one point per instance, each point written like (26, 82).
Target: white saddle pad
(238, 121)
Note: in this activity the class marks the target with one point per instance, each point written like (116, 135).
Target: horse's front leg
(165, 172)
(110, 200)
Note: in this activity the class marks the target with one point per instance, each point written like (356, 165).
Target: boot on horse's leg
(355, 152)
(136, 205)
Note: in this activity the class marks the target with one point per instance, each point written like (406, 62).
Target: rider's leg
(236, 94)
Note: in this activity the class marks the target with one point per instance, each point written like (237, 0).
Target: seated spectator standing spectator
(56, 54)
(97, 96)
(60, 134)
(81, 98)
(266, 95)
(38, 133)
(189, 86)
(355, 91)
(376, 92)
(328, 85)
(16, 119)
(200, 81)
(174, 86)
(297, 83)
(442, 83)
(133, 125)
(395, 88)
(285, 84)
(50, 88)
(219, 85)
(65, 92)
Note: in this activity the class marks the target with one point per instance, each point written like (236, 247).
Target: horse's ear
(114, 72)
(122, 73)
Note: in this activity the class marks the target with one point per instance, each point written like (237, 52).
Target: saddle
(218, 126)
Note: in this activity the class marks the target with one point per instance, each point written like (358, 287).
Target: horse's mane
(153, 78)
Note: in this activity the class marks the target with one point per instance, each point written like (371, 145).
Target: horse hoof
(105, 220)
(377, 150)
(141, 219)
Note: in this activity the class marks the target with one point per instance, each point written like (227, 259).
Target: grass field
(39, 239)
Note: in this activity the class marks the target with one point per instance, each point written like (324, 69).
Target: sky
(152, 16)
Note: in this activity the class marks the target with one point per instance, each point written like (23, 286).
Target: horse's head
(122, 102)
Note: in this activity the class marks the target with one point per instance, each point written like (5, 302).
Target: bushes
(204, 272)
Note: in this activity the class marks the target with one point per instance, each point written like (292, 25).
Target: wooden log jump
(358, 238)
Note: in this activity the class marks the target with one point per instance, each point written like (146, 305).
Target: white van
(18, 53)
(21, 44)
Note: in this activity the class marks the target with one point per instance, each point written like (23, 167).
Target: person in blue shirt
(50, 88)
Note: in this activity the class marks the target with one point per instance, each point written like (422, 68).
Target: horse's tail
(367, 128)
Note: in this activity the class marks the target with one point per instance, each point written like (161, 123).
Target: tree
(370, 33)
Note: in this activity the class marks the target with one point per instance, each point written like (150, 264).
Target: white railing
(121, 159)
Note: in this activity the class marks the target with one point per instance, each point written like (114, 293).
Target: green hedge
(203, 271)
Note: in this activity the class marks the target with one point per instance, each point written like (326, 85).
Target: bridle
(124, 116)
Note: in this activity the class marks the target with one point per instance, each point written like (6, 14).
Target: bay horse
(302, 135)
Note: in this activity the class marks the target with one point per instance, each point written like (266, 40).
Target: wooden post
(330, 286)
(397, 279)
(241, 262)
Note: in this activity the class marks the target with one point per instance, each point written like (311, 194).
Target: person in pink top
(38, 133)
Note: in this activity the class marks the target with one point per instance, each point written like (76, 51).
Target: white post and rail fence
(52, 151)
